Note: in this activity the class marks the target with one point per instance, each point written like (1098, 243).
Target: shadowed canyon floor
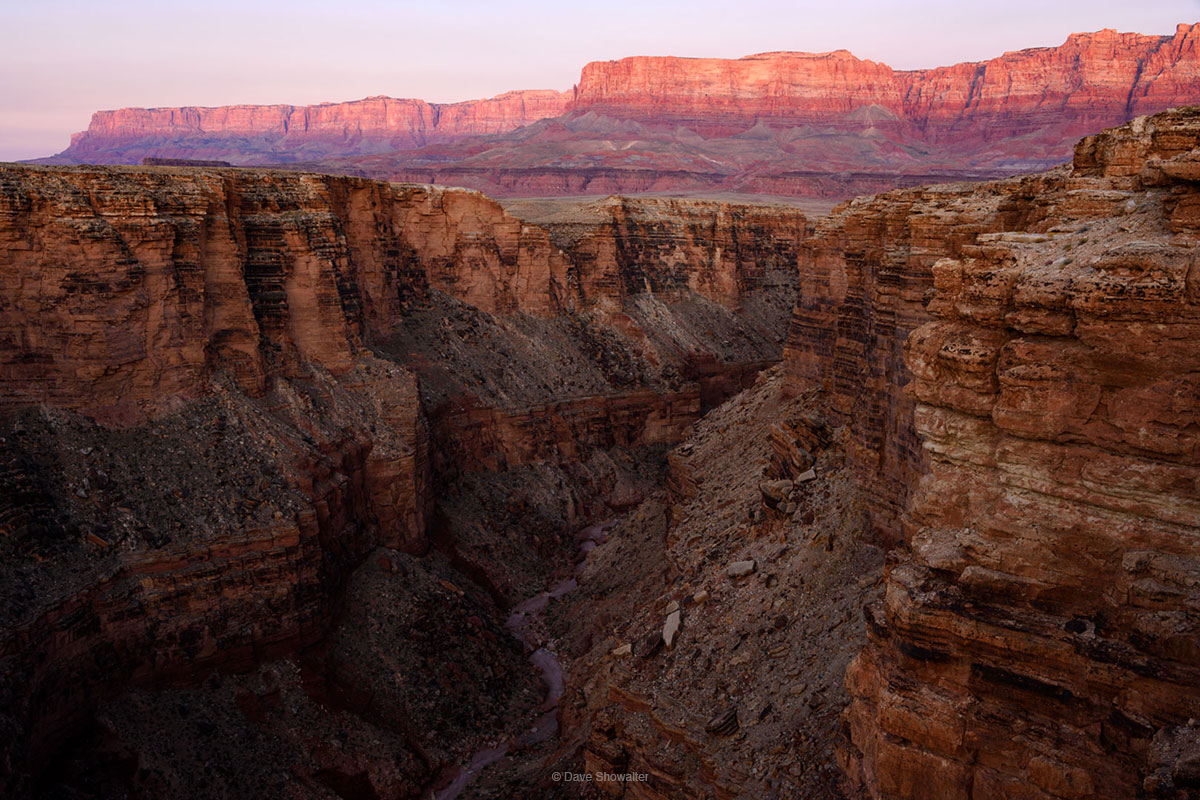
(903, 499)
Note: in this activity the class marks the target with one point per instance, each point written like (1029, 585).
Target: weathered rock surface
(251, 449)
(1038, 633)
(865, 277)
(746, 699)
(622, 247)
(1001, 380)
(1090, 79)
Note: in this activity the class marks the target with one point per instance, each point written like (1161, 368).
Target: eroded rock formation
(1090, 79)
(824, 125)
(623, 247)
(813, 124)
(866, 276)
(248, 451)
(227, 405)
(1038, 633)
(1000, 382)
(280, 133)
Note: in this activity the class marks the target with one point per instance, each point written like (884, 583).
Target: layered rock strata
(1089, 80)
(818, 125)
(866, 276)
(278, 133)
(622, 247)
(1038, 633)
(249, 450)
(813, 124)
(1001, 381)
(214, 436)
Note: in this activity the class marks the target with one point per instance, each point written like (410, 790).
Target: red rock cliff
(865, 278)
(1093, 78)
(1038, 633)
(280, 133)
(622, 247)
(825, 124)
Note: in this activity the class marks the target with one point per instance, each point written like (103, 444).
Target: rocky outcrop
(249, 450)
(256, 273)
(1000, 382)
(708, 656)
(491, 439)
(866, 276)
(1037, 637)
(623, 246)
(282, 133)
(472, 250)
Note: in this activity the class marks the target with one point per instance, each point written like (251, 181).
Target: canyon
(793, 124)
(900, 502)
(260, 427)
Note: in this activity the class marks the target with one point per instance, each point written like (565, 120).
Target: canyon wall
(212, 411)
(254, 272)
(196, 445)
(624, 246)
(999, 383)
(1038, 633)
(865, 278)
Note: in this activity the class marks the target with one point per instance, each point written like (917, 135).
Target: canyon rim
(788, 426)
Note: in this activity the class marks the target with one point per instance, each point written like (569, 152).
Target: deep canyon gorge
(320, 486)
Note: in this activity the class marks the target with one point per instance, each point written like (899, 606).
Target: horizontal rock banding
(202, 432)
(278, 133)
(1038, 633)
(826, 124)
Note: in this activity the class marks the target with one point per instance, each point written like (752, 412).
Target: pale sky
(62, 59)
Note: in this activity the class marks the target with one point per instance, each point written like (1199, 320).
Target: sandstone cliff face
(1038, 634)
(252, 450)
(124, 290)
(822, 125)
(622, 247)
(866, 276)
(472, 250)
(281, 133)
(1091, 80)
(828, 124)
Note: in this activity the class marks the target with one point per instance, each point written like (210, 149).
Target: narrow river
(520, 624)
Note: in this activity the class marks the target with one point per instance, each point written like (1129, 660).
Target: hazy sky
(62, 59)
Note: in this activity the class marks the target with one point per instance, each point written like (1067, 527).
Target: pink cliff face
(243, 134)
(826, 124)
(1092, 74)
